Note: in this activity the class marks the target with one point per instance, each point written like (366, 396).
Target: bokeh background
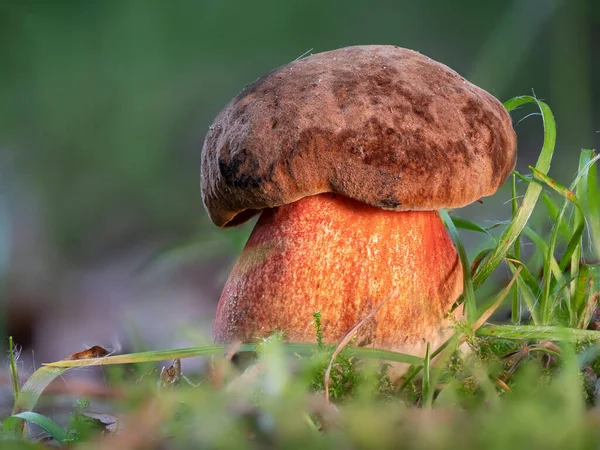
(103, 110)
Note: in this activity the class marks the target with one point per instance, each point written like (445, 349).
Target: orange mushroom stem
(335, 255)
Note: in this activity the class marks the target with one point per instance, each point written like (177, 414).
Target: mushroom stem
(333, 254)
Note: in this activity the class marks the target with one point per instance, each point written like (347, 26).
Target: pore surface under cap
(383, 125)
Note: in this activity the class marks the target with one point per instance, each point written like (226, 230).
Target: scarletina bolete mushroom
(348, 155)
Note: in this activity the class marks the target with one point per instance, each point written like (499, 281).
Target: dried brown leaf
(93, 352)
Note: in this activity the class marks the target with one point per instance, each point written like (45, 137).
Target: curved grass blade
(551, 206)
(468, 291)
(31, 391)
(527, 279)
(41, 378)
(527, 286)
(528, 296)
(526, 276)
(514, 228)
(49, 426)
(481, 256)
(29, 395)
(495, 304)
(541, 245)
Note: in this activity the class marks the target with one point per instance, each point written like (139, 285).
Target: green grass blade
(551, 205)
(514, 228)
(541, 245)
(427, 392)
(520, 176)
(528, 288)
(546, 303)
(468, 291)
(480, 258)
(52, 428)
(30, 393)
(553, 213)
(454, 341)
(530, 299)
(153, 356)
(538, 333)
(468, 225)
(291, 347)
(546, 306)
(41, 378)
(590, 198)
(515, 309)
(579, 220)
(387, 355)
(549, 261)
(569, 195)
(451, 343)
(34, 386)
(587, 292)
(527, 277)
(489, 309)
(14, 373)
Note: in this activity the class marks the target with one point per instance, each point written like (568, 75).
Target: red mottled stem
(332, 254)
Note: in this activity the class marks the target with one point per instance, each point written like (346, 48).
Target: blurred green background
(104, 106)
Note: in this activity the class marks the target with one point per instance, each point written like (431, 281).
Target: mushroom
(347, 155)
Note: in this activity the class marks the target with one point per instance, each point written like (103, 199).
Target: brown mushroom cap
(383, 125)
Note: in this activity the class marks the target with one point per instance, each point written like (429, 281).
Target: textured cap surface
(383, 125)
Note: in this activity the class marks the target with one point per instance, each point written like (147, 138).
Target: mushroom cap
(380, 124)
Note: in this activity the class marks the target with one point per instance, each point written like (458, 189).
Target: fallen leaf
(109, 422)
(93, 352)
